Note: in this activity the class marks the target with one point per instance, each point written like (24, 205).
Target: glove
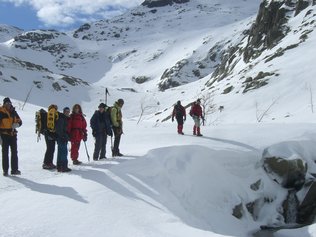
(85, 137)
(172, 119)
(15, 125)
(94, 133)
(184, 118)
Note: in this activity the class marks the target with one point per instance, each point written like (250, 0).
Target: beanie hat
(120, 101)
(102, 105)
(7, 100)
(66, 108)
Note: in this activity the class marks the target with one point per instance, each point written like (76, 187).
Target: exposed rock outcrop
(161, 3)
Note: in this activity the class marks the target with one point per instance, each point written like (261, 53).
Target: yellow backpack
(52, 117)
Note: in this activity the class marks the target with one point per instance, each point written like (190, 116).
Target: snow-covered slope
(166, 185)
(8, 32)
(217, 48)
(137, 46)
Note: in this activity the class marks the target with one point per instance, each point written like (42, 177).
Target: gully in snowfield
(179, 113)
(9, 121)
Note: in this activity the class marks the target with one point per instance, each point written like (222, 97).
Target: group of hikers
(71, 126)
(61, 128)
(195, 112)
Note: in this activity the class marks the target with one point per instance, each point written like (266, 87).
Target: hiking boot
(102, 158)
(119, 154)
(67, 169)
(95, 158)
(49, 166)
(15, 172)
(199, 135)
(76, 162)
(5, 173)
(63, 169)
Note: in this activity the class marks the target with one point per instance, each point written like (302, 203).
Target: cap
(102, 105)
(198, 100)
(178, 102)
(7, 100)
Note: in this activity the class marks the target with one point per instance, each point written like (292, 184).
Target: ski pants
(117, 140)
(62, 153)
(9, 141)
(197, 121)
(100, 145)
(180, 122)
(75, 145)
(197, 125)
(50, 149)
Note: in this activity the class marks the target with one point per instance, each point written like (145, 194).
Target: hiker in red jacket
(77, 126)
(197, 115)
(179, 113)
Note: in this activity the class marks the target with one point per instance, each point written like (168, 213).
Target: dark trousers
(100, 145)
(9, 141)
(117, 140)
(62, 153)
(50, 150)
(180, 122)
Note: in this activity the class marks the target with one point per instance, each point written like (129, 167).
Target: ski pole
(85, 145)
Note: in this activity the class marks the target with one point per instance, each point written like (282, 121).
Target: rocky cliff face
(265, 35)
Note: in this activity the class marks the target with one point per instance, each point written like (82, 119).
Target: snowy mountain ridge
(154, 49)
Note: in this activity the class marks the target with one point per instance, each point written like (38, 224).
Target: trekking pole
(112, 147)
(85, 145)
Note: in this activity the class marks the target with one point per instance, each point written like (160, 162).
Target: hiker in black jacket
(101, 128)
(62, 132)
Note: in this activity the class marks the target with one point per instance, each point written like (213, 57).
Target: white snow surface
(165, 185)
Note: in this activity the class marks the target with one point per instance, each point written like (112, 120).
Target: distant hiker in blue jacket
(101, 128)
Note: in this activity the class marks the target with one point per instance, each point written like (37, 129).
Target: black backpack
(178, 111)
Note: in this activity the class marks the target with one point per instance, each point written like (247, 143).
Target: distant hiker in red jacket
(179, 113)
(197, 115)
(77, 126)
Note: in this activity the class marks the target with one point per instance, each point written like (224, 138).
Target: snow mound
(199, 185)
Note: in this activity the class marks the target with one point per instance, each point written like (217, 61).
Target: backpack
(40, 122)
(178, 110)
(52, 117)
(191, 110)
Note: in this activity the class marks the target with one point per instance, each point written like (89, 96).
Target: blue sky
(22, 17)
(59, 15)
